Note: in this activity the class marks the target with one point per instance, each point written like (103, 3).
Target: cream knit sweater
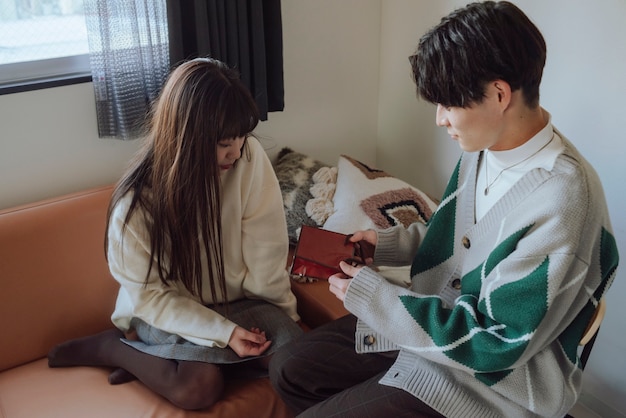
(255, 257)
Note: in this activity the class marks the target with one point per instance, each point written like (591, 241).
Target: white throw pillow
(369, 198)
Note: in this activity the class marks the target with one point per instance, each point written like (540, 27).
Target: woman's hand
(248, 343)
(339, 282)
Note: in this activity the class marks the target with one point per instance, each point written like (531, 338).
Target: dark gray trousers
(320, 375)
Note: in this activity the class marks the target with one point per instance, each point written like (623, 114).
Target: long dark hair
(175, 177)
(472, 46)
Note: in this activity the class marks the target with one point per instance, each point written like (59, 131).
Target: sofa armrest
(316, 304)
(56, 283)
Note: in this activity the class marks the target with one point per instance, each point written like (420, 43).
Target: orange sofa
(55, 286)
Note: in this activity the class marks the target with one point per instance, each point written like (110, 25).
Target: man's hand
(339, 282)
(366, 244)
(248, 343)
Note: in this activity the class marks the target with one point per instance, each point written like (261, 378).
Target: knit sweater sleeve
(264, 241)
(396, 246)
(169, 308)
(524, 282)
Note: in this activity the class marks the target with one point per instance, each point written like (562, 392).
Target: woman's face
(229, 151)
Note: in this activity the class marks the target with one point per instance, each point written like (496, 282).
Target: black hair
(474, 45)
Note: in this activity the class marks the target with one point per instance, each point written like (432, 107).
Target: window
(42, 42)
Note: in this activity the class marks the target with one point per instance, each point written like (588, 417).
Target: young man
(507, 272)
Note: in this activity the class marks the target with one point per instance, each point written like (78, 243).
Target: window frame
(41, 74)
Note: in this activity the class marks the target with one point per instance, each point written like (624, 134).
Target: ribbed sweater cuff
(386, 252)
(358, 301)
(360, 291)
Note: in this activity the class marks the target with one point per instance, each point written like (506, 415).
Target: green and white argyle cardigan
(531, 272)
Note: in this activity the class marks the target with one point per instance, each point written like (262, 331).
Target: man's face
(476, 127)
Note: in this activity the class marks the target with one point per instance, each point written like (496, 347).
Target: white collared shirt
(498, 161)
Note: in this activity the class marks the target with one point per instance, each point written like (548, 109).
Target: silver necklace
(509, 167)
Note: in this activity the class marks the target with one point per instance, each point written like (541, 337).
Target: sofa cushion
(34, 390)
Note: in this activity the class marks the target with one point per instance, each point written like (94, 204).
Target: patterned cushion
(368, 198)
(294, 171)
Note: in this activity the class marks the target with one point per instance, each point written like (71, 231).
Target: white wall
(48, 138)
(583, 87)
(49, 145)
(348, 90)
(410, 145)
(331, 79)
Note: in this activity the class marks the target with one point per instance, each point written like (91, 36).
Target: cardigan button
(456, 283)
(466, 242)
(369, 340)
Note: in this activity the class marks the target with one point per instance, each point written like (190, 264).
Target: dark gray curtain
(245, 34)
(128, 46)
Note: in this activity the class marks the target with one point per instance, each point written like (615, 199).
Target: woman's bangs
(241, 117)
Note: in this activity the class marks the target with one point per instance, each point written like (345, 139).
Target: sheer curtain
(128, 42)
(134, 44)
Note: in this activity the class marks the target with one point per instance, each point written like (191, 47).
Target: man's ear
(503, 91)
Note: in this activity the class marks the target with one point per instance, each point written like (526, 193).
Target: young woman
(197, 239)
